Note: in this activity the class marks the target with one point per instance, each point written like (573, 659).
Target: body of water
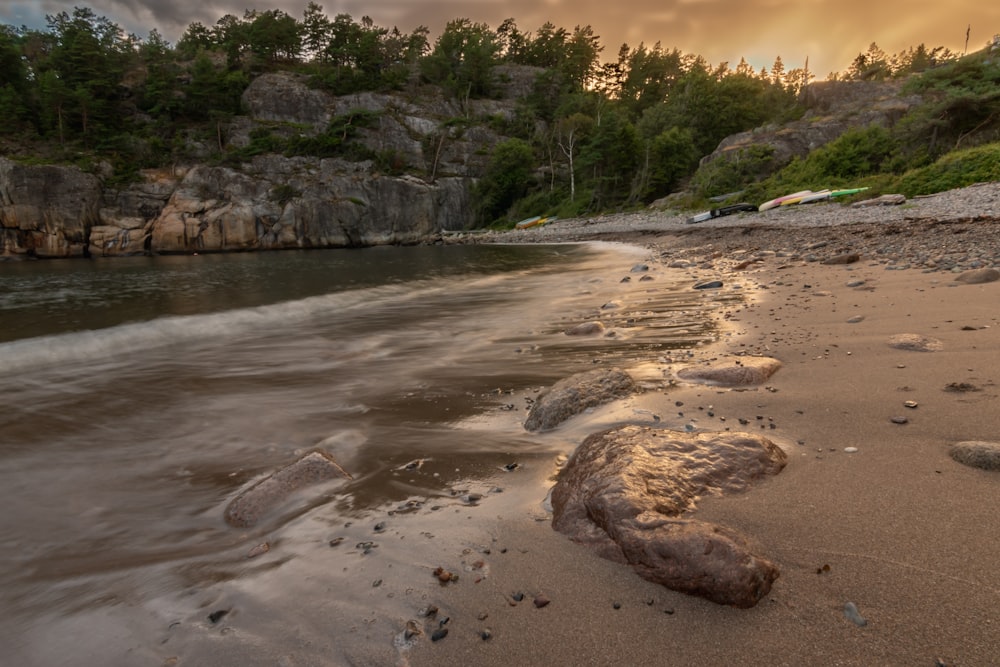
(142, 394)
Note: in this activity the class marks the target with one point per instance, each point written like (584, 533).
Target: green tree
(463, 59)
(609, 158)
(581, 61)
(650, 76)
(872, 65)
(196, 38)
(507, 179)
(570, 131)
(273, 36)
(14, 85)
(315, 31)
(88, 58)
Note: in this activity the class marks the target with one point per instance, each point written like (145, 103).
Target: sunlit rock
(623, 492)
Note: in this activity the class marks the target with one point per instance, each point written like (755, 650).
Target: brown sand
(908, 535)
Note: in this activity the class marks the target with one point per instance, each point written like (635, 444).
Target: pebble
(541, 601)
(439, 634)
(412, 630)
(899, 420)
(258, 550)
(217, 615)
(852, 614)
(910, 404)
(444, 576)
(710, 284)
(850, 450)
(486, 634)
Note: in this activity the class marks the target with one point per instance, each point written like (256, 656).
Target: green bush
(734, 171)
(955, 170)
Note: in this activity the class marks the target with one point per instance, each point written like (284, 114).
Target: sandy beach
(870, 510)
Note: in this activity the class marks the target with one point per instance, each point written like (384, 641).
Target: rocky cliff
(272, 201)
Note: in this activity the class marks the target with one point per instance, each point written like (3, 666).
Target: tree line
(593, 134)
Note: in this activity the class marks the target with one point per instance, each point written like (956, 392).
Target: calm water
(142, 394)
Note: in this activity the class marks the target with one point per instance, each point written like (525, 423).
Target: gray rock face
(46, 211)
(221, 209)
(285, 97)
(574, 394)
(251, 505)
(623, 491)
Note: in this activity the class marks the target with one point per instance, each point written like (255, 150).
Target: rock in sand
(624, 489)
(978, 276)
(977, 454)
(915, 343)
(742, 372)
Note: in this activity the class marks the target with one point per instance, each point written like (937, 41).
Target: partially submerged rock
(249, 506)
(744, 371)
(586, 329)
(623, 491)
(977, 454)
(573, 395)
(915, 343)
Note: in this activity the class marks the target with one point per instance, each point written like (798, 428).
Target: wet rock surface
(573, 395)
(249, 506)
(623, 492)
(739, 373)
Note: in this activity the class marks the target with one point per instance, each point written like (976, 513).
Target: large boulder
(46, 211)
(623, 490)
(573, 395)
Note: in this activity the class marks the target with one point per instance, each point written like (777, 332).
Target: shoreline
(896, 527)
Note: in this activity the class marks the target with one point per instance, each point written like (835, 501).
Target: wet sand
(897, 528)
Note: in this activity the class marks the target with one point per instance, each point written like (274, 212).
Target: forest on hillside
(622, 130)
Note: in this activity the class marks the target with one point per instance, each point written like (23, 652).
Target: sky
(830, 34)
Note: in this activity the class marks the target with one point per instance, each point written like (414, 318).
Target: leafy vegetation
(589, 135)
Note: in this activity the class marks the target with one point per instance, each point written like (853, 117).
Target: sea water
(142, 394)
